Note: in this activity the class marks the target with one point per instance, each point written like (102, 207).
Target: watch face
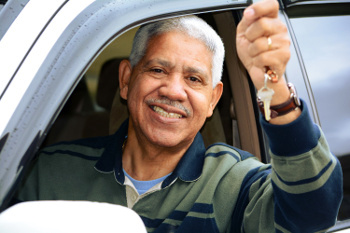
(293, 94)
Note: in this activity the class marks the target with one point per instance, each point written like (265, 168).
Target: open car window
(55, 64)
(96, 109)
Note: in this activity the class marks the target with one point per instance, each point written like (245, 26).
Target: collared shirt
(218, 189)
(136, 189)
(189, 168)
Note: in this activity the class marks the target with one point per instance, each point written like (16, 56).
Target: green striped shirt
(218, 189)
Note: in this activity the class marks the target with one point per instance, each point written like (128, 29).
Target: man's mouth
(164, 113)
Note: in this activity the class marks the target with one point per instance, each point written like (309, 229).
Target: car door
(320, 66)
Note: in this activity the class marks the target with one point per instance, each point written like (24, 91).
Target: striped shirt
(218, 189)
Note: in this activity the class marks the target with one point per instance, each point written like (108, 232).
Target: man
(156, 162)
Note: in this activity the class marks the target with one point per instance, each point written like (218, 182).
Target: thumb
(265, 8)
(249, 17)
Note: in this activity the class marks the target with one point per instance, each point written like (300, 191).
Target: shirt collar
(111, 158)
(189, 168)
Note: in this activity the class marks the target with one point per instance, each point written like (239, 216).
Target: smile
(163, 113)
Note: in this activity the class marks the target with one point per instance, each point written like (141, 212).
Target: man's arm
(260, 24)
(300, 192)
(305, 176)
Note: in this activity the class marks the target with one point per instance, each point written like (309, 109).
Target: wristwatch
(291, 104)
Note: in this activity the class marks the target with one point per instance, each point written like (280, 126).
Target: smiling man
(156, 162)
(169, 94)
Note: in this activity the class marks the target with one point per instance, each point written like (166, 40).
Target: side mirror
(69, 216)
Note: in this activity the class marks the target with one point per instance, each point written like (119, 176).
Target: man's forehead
(200, 64)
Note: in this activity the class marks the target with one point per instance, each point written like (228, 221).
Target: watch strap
(284, 108)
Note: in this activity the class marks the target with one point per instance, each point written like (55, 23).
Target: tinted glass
(325, 46)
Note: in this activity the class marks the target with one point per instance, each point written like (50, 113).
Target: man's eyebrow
(158, 61)
(197, 70)
(191, 69)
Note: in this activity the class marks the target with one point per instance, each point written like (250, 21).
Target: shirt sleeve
(306, 181)
(28, 190)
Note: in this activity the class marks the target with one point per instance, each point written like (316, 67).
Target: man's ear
(124, 78)
(216, 95)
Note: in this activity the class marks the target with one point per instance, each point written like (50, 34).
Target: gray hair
(191, 25)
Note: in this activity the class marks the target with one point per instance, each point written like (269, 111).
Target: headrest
(108, 83)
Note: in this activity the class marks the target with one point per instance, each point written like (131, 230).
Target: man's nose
(173, 87)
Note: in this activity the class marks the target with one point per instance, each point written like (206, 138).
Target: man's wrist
(292, 138)
(292, 104)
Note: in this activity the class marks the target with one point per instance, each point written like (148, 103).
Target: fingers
(268, 8)
(260, 22)
(261, 44)
(264, 27)
(276, 59)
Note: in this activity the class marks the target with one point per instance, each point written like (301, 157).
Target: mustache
(169, 102)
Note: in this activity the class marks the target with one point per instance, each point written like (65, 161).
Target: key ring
(265, 81)
(272, 75)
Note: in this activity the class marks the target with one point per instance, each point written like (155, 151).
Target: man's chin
(170, 141)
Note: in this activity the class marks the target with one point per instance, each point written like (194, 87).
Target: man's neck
(144, 161)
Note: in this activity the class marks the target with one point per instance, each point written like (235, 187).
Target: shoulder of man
(86, 148)
(230, 158)
(222, 149)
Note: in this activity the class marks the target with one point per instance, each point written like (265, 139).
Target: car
(59, 65)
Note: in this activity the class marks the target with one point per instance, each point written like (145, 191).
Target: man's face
(169, 92)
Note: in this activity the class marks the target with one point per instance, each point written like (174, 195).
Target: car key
(265, 95)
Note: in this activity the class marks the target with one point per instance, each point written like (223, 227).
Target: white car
(58, 75)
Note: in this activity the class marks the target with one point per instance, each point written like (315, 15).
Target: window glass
(325, 48)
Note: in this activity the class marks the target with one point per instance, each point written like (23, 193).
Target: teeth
(166, 114)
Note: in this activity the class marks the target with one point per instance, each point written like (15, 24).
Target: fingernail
(249, 12)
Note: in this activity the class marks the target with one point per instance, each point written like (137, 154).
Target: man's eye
(194, 79)
(157, 70)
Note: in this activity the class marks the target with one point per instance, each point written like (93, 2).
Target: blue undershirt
(144, 186)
